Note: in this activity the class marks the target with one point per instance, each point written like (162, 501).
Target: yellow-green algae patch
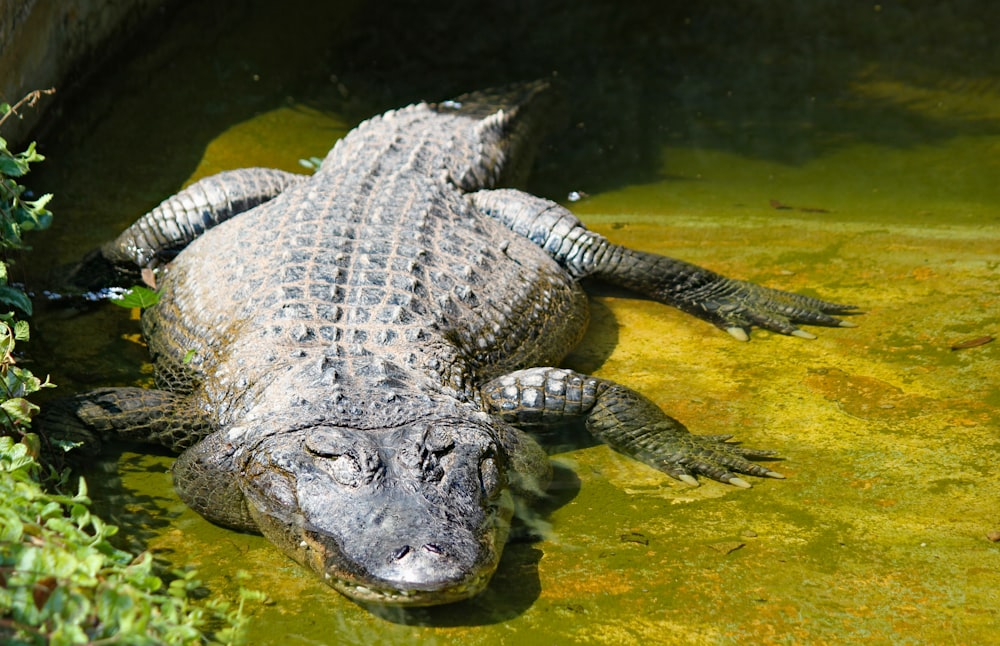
(277, 138)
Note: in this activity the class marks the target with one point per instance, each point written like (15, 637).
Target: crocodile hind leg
(126, 414)
(733, 305)
(622, 418)
(160, 234)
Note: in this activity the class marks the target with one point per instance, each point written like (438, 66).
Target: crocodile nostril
(401, 552)
(433, 549)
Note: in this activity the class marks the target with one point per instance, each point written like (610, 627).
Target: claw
(687, 479)
(847, 324)
(775, 474)
(717, 438)
(738, 333)
(739, 482)
(802, 334)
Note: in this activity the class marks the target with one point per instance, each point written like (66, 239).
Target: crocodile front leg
(733, 305)
(204, 475)
(156, 237)
(208, 481)
(622, 418)
(127, 414)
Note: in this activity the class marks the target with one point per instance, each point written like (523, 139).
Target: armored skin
(348, 362)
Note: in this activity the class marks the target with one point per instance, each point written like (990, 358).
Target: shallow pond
(851, 153)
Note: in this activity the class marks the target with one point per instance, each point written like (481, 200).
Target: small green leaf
(65, 445)
(20, 409)
(33, 443)
(189, 355)
(15, 297)
(10, 167)
(138, 296)
(11, 526)
(22, 331)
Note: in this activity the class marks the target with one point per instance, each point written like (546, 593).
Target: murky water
(848, 152)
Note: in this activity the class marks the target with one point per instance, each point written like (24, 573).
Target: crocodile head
(414, 515)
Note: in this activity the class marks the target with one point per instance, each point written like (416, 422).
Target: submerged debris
(775, 204)
(727, 547)
(972, 343)
(635, 537)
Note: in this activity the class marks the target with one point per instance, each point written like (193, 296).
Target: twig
(29, 101)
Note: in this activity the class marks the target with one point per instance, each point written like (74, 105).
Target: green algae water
(846, 152)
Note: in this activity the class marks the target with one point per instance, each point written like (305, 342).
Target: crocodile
(351, 363)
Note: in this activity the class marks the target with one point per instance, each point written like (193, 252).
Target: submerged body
(348, 361)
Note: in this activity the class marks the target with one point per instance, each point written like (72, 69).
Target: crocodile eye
(342, 459)
(435, 447)
(327, 442)
(439, 443)
(345, 469)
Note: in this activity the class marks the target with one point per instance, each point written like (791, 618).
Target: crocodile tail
(511, 121)
(509, 98)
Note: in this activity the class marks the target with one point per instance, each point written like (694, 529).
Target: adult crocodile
(348, 362)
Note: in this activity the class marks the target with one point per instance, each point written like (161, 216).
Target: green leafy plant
(20, 214)
(61, 580)
(17, 213)
(17, 383)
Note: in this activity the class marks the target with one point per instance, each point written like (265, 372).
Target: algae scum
(850, 154)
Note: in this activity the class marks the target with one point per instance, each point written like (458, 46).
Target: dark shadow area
(602, 332)
(764, 79)
(139, 516)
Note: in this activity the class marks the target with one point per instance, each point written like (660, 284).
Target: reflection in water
(104, 294)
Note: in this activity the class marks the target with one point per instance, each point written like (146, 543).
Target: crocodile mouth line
(416, 597)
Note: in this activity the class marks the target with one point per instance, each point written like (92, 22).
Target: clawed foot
(714, 457)
(736, 306)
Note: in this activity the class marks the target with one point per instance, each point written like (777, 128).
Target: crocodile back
(373, 290)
